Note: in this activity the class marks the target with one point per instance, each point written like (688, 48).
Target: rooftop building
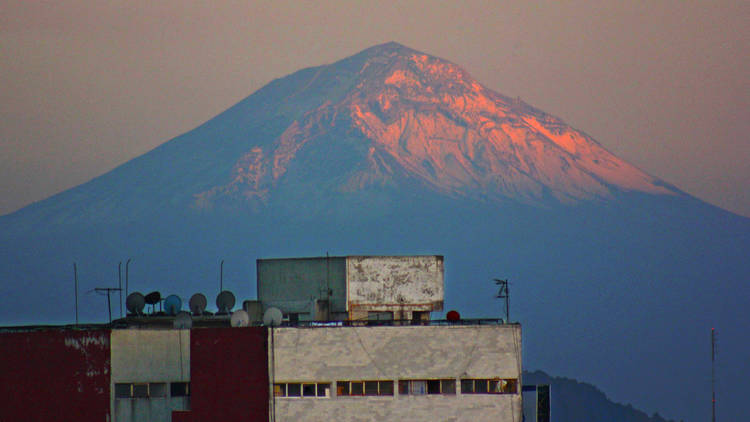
(352, 340)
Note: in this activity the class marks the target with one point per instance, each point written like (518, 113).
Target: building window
(421, 387)
(364, 388)
(380, 316)
(123, 391)
(157, 389)
(141, 390)
(179, 389)
(489, 386)
(297, 389)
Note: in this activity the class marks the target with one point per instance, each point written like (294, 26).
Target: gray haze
(88, 85)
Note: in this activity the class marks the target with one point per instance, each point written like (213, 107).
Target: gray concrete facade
(392, 283)
(149, 360)
(397, 353)
(294, 285)
(352, 287)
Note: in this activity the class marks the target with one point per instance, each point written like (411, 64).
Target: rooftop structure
(354, 288)
(353, 341)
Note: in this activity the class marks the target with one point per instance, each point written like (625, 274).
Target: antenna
(119, 283)
(225, 302)
(106, 291)
(183, 321)
(240, 318)
(198, 303)
(272, 317)
(713, 375)
(135, 303)
(75, 280)
(172, 304)
(504, 293)
(127, 264)
(221, 276)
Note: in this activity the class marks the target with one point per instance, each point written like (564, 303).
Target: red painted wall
(228, 375)
(54, 375)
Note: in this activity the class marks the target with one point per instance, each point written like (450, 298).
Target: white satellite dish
(272, 317)
(198, 303)
(225, 302)
(183, 321)
(135, 302)
(240, 318)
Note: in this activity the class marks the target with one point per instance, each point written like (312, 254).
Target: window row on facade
(144, 390)
(405, 387)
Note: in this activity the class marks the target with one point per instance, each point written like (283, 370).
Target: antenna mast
(221, 276)
(75, 281)
(504, 293)
(107, 291)
(713, 375)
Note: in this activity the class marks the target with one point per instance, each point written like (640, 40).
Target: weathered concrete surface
(54, 375)
(388, 283)
(293, 284)
(149, 355)
(469, 408)
(392, 353)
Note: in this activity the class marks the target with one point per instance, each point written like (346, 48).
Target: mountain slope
(573, 401)
(410, 116)
(617, 276)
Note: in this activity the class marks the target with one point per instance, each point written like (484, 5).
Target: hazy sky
(88, 85)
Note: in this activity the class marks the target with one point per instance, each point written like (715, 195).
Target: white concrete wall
(393, 353)
(149, 355)
(392, 282)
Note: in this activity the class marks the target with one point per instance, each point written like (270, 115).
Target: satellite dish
(172, 304)
(272, 317)
(240, 318)
(135, 303)
(183, 321)
(453, 316)
(153, 298)
(225, 302)
(198, 303)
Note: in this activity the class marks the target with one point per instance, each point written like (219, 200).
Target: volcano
(616, 275)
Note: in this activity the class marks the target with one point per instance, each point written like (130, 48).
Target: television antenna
(504, 293)
(713, 375)
(106, 291)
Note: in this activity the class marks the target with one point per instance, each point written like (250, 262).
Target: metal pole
(713, 376)
(109, 307)
(127, 263)
(119, 283)
(328, 286)
(221, 276)
(507, 302)
(75, 278)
